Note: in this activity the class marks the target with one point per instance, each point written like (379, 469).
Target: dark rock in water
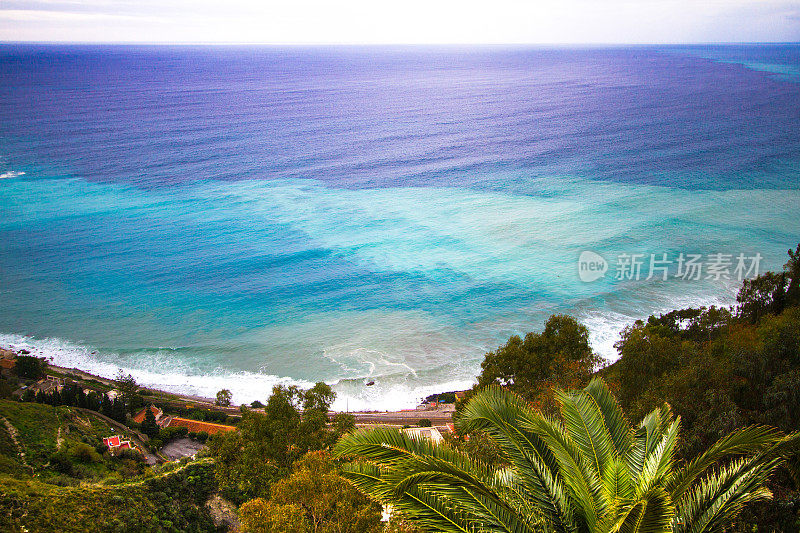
(24, 352)
(370, 383)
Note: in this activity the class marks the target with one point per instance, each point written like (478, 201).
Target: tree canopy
(559, 356)
(314, 498)
(262, 451)
(588, 470)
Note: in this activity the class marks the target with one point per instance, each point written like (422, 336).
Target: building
(425, 433)
(7, 365)
(116, 444)
(157, 413)
(196, 426)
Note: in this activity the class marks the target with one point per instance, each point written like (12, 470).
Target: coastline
(352, 394)
(438, 416)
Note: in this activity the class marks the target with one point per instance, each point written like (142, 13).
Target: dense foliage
(62, 445)
(559, 356)
(314, 498)
(224, 398)
(72, 394)
(262, 451)
(173, 501)
(588, 470)
(722, 369)
(30, 367)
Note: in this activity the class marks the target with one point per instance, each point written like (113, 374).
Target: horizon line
(377, 44)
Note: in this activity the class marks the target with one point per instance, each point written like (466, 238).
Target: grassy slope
(169, 502)
(38, 426)
(172, 501)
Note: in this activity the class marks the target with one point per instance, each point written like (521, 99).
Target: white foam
(11, 174)
(387, 394)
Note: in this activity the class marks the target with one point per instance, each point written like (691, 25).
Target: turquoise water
(207, 218)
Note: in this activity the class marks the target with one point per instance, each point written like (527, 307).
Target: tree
(327, 503)
(129, 391)
(30, 367)
(560, 356)
(5, 389)
(262, 516)
(343, 423)
(149, 425)
(262, 451)
(587, 470)
(224, 398)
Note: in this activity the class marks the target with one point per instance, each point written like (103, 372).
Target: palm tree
(587, 471)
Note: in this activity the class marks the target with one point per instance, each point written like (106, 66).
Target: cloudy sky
(406, 21)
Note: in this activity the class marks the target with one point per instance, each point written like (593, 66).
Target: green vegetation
(206, 415)
(62, 445)
(224, 398)
(173, 501)
(149, 425)
(265, 446)
(72, 394)
(30, 367)
(314, 498)
(129, 391)
(588, 470)
(560, 356)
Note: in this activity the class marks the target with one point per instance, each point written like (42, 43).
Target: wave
(11, 174)
(397, 385)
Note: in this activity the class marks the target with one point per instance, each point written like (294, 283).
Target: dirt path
(13, 433)
(59, 439)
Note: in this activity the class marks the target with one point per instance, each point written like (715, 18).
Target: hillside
(171, 501)
(59, 444)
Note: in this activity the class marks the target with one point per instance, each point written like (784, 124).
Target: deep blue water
(209, 216)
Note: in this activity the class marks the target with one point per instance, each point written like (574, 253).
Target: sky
(401, 21)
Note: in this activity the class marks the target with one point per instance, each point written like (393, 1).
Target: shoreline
(437, 416)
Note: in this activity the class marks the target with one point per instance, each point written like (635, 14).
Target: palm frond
(585, 424)
(617, 425)
(658, 464)
(653, 513)
(647, 436)
(506, 418)
(741, 442)
(720, 496)
(582, 483)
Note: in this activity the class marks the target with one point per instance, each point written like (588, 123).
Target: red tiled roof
(195, 426)
(139, 417)
(111, 441)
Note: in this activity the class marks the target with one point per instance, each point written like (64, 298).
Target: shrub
(133, 455)
(424, 423)
(84, 453)
(30, 367)
(61, 462)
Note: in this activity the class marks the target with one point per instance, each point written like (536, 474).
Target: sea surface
(209, 217)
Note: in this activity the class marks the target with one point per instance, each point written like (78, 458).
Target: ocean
(236, 217)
